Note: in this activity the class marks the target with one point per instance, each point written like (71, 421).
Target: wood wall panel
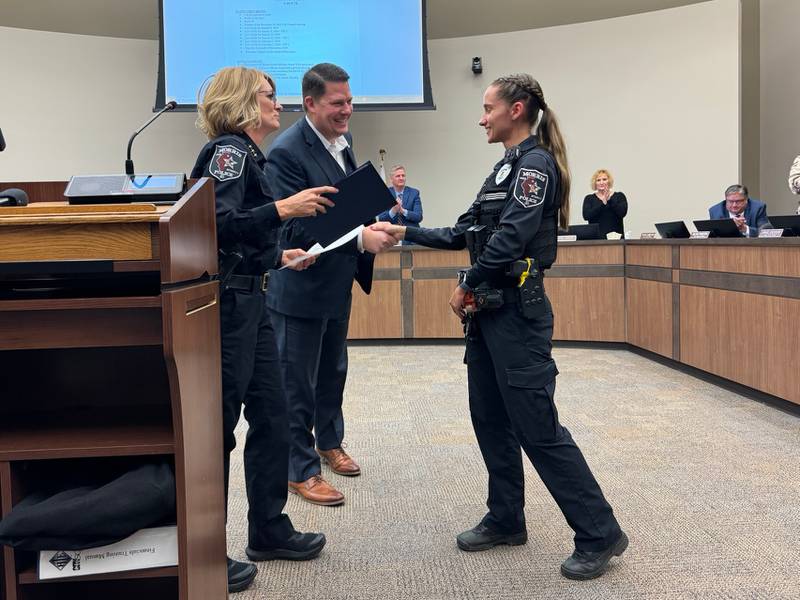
(441, 258)
(649, 256)
(760, 260)
(388, 260)
(590, 255)
(433, 317)
(377, 316)
(747, 338)
(589, 309)
(649, 315)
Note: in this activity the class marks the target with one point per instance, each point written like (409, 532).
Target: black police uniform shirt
(247, 218)
(529, 180)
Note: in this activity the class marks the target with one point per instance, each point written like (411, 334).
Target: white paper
(316, 249)
(145, 549)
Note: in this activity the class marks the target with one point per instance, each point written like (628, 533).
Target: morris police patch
(227, 163)
(530, 187)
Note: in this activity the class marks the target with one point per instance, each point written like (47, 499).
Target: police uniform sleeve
(534, 188)
(230, 170)
(444, 238)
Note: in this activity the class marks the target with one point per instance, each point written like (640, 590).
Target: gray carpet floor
(705, 482)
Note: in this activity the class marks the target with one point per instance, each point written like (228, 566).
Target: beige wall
(651, 97)
(780, 101)
(647, 96)
(70, 103)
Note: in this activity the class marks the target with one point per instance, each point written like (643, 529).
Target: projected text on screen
(380, 44)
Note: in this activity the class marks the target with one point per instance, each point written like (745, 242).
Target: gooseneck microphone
(128, 162)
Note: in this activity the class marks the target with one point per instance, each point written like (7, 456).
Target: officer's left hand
(289, 255)
(457, 302)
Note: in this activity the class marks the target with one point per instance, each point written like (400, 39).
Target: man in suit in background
(311, 312)
(748, 214)
(408, 210)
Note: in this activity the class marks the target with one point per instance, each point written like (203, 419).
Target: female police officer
(510, 231)
(238, 109)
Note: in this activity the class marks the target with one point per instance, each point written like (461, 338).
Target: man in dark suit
(748, 214)
(311, 312)
(408, 210)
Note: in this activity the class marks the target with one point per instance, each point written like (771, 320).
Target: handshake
(382, 235)
(376, 238)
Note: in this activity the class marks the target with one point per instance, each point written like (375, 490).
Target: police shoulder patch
(227, 163)
(530, 187)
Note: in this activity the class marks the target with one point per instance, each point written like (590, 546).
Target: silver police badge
(502, 174)
(227, 163)
(530, 187)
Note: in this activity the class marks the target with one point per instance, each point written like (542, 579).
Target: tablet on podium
(362, 195)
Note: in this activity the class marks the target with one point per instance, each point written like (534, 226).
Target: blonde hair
(596, 174)
(521, 87)
(230, 101)
(395, 169)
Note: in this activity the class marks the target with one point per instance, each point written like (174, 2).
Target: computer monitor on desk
(672, 229)
(586, 232)
(789, 223)
(718, 227)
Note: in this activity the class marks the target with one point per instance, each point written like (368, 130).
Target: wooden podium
(110, 356)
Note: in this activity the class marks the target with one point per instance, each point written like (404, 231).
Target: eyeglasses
(269, 95)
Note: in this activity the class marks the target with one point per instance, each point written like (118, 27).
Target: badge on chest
(502, 174)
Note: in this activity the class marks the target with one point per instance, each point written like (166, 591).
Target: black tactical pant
(251, 377)
(511, 386)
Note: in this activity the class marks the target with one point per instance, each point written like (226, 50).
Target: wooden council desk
(730, 307)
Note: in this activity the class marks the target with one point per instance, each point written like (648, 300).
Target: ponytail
(551, 138)
(524, 88)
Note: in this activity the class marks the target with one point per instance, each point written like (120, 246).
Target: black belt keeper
(248, 283)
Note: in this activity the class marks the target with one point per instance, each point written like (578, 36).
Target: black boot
(298, 546)
(588, 565)
(481, 537)
(240, 575)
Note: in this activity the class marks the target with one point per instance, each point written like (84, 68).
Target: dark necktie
(400, 219)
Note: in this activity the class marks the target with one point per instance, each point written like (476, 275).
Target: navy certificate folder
(362, 195)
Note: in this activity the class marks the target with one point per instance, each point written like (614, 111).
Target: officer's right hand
(306, 203)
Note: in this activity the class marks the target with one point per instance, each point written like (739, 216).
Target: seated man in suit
(748, 214)
(408, 210)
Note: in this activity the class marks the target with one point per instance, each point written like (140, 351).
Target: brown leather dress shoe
(339, 462)
(317, 491)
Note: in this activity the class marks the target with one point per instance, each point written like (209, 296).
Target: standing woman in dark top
(510, 230)
(605, 207)
(238, 110)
